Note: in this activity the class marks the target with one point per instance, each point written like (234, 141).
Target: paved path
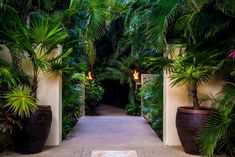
(107, 110)
(110, 133)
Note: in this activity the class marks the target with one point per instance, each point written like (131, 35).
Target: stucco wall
(175, 97)
(50, 93)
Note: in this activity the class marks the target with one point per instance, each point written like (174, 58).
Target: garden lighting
(136, 75)
(89, 76)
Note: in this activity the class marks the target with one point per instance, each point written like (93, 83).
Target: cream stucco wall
(173, 97)
(49, 93)
(178, 96)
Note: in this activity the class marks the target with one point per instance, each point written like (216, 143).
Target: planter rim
(191, 110)
(43, 107)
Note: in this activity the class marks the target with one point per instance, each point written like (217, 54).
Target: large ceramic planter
(189, 124)
(5, 139)
(32, 137)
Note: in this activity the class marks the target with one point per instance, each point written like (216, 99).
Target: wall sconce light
(89, 76)
(136, 75)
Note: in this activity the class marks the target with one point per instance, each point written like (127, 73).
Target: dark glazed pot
(189, 124)
(5, 138)
(32, 137)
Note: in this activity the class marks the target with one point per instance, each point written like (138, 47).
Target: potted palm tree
(36, 42)
(192, 70)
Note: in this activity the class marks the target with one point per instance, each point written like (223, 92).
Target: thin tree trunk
(131, 93)
(196, 105)
(34, 85)
(34, 88)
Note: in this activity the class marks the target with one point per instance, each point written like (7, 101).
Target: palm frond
(158, 26)
(97, 13)
(216, 28)
(218, 131)
(226, 6)
(158, 62)
(215, 129)
(46, 33)
(7, 74)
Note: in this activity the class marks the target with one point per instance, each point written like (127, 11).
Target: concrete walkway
(107, 110)
(110, 133)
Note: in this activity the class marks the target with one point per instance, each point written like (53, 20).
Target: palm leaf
(19, 102)
(158, 26)
(218, 131)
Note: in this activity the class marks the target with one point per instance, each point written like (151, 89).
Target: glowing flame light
(136, 75)
(89, 76)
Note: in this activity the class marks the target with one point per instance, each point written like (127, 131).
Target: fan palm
(37, 42)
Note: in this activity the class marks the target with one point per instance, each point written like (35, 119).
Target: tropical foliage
(33, 39)
(152, 95)
(113, 39)
(72, 101)
(218, 133)
(94, 93)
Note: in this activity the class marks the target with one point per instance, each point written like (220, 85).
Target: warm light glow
(89, 76)
(136, 75)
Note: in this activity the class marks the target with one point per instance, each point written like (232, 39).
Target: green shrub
(94, 93)
(71, 107)
(133, 109)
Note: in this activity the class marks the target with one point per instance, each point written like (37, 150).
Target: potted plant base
(5, 138)
(189, 124)
(32, 137)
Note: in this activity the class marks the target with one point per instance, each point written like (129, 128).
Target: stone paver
(110, 133)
